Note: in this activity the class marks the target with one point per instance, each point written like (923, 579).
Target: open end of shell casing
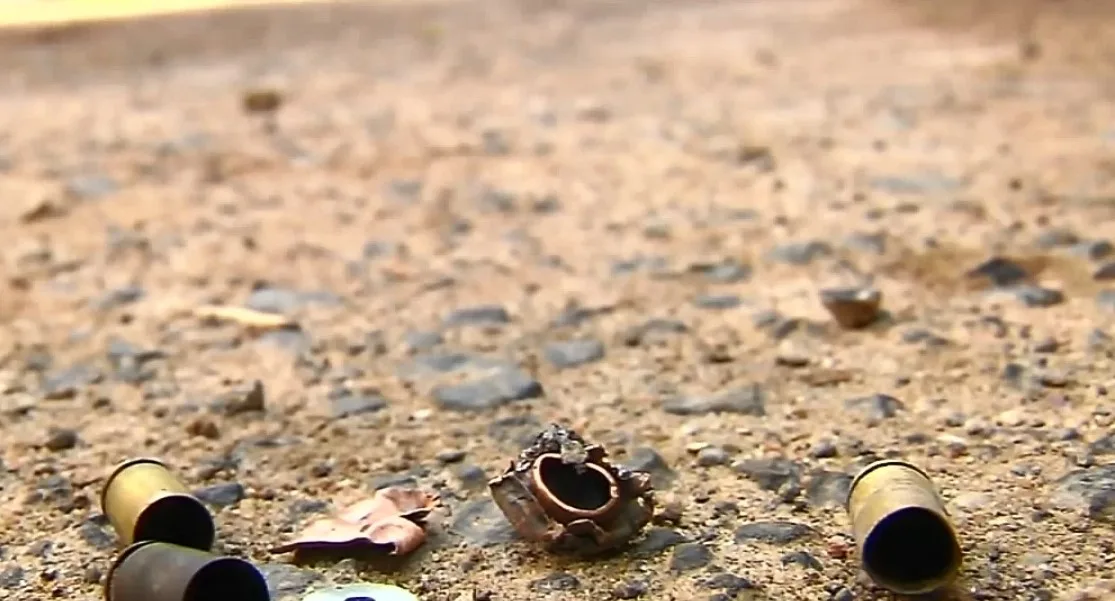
(580, 490)
(144, 501)
(156, 571)
(906, 541)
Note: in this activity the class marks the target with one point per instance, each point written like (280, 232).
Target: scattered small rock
(1106, 272)
(712, 456)
(690, 556)
(573, 353)
(349, 405)
(261, 100)
(652, 331)
(480, 315)
(1000, 271)
(717, 301)
(853, 308)
(61, 439)
(480, 523)
(1090, 491)
(1037, 296)
(774, 532)
(876, 406)
(655, 541)
(558, 581)
(799, 253)
(770, 473)
(287, 582)
(803, 559)
(488, 392)
(748, 400)
(646, 459)
(631, 589)
(222, 495)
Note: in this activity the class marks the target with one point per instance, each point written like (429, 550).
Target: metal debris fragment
(564, 493)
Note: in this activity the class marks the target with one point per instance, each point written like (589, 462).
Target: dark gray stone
(646, 459)
(1037, 296)
(61, 439)
(770, 473)
(481, 524)
(748, 400)
(480, 315)
(417, 342)
(95, 536)
(286, 301)
(876, 406)
(516, 431)
(653, 330)
(718, 301)
(357, 404)
(724, 272)
(1056, 238)
(656, 541)
(557, 581)
(573, 353)
(488, 392)
(65, 383)
(472, 477)
(1000, 271)
(1105, 273)
(118, 297)
(729, 583)
(774, 532)
(799, 253)
(712, 456)
(1095, 250)
(287, 582)
(11, 577)
(1090, 491)
(803, 559)
(690, 556)
(225, 494)
(630, 589)
(827, 489)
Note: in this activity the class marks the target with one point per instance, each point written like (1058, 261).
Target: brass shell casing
(905, 539)
(144, 501)
(157, 571)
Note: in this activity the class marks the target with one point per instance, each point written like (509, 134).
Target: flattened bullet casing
(157, 571)
(144, 501)
(904, 536)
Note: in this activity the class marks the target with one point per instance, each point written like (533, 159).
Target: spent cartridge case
(144, 501)
(158, 571)
(905, 539)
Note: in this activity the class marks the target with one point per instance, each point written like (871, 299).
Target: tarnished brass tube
(144, 501)
(156, 571)
(906, 542)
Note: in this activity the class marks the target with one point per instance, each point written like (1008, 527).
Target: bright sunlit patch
(46, 12)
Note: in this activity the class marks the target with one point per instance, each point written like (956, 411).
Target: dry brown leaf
(391, 521)
(244, 316)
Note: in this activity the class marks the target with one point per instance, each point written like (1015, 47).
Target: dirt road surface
(489, 215)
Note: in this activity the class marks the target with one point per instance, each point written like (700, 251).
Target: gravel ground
(491, 215)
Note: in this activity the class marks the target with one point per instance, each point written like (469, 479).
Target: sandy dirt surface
(490, 215)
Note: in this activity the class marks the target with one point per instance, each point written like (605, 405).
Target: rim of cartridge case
(871, 467)
(120, 557)
(120, 468)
